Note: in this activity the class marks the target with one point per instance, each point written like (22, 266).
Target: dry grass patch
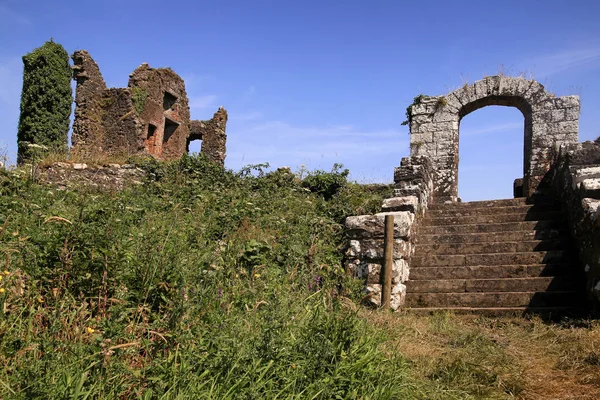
(474, 357)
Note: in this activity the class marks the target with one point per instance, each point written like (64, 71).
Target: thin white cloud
(565, 60)
(281, 143)
(202, 102)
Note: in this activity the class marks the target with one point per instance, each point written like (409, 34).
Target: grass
(475, 357)
(213, 284)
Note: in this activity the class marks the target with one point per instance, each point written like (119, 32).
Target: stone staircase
(494, 257)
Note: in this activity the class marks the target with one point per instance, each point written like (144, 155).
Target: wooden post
(388, 262)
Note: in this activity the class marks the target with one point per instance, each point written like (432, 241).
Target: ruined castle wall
(213, 136)
(165, 118)
(575, 176)
(120, 122)
(434, 126)
(87, 127)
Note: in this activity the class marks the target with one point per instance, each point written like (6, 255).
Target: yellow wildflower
(1, 290)
(257, 275)
(6, 272)
(40, 299)
(90, 330)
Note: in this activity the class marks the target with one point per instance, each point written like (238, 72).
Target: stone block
(567, 102)
(452, 104)
(372, 226)
(373, 295)
(372, 249)
(398, 297)
(581, 174)
(445, 114)
(354, 249)
(591, 208)
(424, 137)
(571, 114)
(406, 203)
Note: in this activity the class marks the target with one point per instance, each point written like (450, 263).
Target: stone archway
(434, 127)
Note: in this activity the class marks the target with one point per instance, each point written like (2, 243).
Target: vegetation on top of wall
(138, 97)
(416, 100)
(46, 100)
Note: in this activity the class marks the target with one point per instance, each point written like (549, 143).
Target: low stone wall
(575, 177)
(107, 177)
(364, 257)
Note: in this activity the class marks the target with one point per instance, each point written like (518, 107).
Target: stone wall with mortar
(88, 131)
(150, 116)
(575, 176)
(364, 257)
(435, 121)
(213, 136)
(111, 177)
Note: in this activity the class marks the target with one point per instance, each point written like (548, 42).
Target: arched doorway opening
(491, 143)
(434, 127)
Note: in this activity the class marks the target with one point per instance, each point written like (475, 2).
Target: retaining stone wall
(364, 257)
(106, 177)
(575, 176)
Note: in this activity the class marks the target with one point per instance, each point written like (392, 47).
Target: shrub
(45, 100)
(327, 184)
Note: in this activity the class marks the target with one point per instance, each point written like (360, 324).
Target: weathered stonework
(212, 134)
(150, 116)
(364, 256)
(435, 121)
(575, 177)
(111, 177)
(87, 127)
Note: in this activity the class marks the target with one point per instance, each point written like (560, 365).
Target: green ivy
(139, 97)
(46, 100)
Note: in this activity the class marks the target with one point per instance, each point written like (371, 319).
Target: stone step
(493, 218)
(470, 211)
(455, 260)
(490, 300)
(493, 203)
(491, 227)
(479, 204)
(502, 311)
(488, 247)
(537, 284)
(543, 234)
(494, 271)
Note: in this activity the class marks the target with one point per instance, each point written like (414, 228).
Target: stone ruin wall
(150, 116)
(553, 161)
(364, 257)
(575, 178)
(434, 127)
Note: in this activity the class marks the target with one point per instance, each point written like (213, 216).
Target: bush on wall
(45, 100)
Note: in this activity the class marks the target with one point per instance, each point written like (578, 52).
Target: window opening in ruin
(151, 131)
(194, 146)
(170, 128)
(168, 101)
(491, 142)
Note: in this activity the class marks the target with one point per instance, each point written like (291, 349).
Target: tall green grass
(200, 283)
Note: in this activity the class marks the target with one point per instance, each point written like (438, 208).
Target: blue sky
(317, 82)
